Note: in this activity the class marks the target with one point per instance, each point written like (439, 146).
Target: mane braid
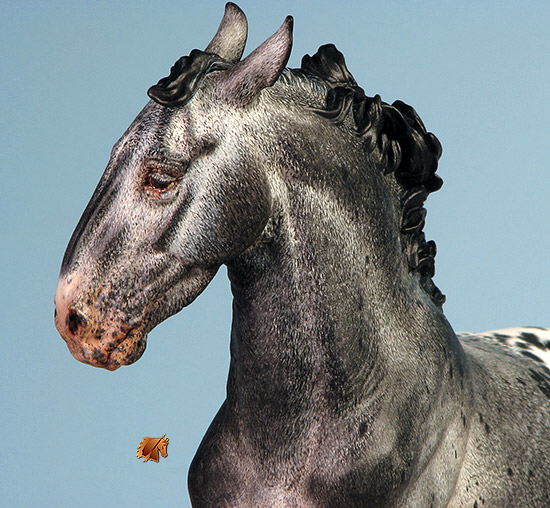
(185, 77)
(406, 149)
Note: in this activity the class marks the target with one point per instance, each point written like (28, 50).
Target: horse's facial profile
(181, 195)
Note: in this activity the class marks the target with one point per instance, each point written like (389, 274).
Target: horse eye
(159, 182)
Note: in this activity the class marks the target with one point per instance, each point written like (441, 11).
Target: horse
(347, 386)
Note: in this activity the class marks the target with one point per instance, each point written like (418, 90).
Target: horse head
(180, 196)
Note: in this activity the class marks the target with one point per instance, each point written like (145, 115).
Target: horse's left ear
(230, 38)
(260, 69)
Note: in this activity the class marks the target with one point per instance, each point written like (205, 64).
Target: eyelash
(160, 179)
(159, 182)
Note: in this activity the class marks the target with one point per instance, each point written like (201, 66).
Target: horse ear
(259, 69)
(230, 38)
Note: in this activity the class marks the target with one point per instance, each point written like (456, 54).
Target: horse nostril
(75, 321)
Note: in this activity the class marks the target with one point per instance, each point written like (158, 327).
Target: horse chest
(227, 473)
(316, 473)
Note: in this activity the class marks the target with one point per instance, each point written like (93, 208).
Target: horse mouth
(127, 351)
(111, 350)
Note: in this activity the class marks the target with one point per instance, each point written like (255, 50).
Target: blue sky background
(74, 75)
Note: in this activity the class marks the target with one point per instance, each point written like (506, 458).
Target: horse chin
(110, 354)
(127, 352)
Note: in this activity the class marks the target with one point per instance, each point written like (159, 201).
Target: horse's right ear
(230, 38)
(260, 69)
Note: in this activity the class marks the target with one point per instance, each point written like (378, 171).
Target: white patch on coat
(525, 341)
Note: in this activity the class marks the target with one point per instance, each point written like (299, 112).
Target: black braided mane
(405, 148)
(185, 77)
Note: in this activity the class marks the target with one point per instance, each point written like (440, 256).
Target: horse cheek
(223, 228)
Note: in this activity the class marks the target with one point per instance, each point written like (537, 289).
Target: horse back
(509, 439)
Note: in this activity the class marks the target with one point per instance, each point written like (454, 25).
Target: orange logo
(150, 447)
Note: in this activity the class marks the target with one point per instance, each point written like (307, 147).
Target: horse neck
(326, 316)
